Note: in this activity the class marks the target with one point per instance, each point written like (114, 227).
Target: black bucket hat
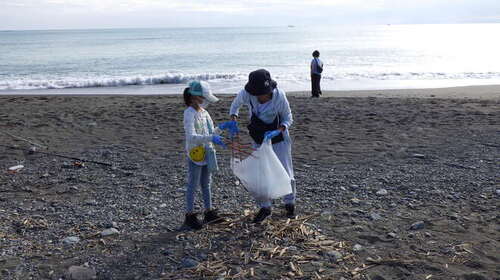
(260, 83)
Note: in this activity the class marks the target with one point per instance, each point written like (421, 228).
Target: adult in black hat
(270, 118)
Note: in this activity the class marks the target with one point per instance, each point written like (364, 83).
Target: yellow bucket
(197, 154)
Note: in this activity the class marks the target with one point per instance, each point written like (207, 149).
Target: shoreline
(484, 92)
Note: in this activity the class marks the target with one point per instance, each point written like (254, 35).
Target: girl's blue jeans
(198, 175)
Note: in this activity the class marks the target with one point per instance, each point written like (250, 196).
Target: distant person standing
(316, 70)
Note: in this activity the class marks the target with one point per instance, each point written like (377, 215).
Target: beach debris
(61, 156)
(109, 232)
(418, 156)
(80, 273)
(418, 225)
(16, 168)
(78, 164)
(246, 250)
(22, 139)
(382, 192)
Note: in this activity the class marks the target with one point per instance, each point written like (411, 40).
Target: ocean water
(164, 60)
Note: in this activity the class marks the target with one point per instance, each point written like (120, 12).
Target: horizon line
(241, 26)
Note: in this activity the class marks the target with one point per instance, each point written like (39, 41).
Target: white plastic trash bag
(262, 174)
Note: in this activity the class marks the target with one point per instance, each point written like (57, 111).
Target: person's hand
(232, 126)
(217, 139)
(271, 134)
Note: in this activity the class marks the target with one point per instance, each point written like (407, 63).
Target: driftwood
(62, 156)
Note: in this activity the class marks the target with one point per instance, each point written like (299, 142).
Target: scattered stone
(188, 263)
(428, 234)
(418, 156)
(382, 192)
(335, 256)
(81, 273)
(375, 217)
(377, 277)
(473, 276)
(354, 187)
(327, 213)
(357, 248)
(417, 225)
(163, 205)
(71, 240)
(498, 192)
(355, 201)
(392, 235)
(91, 202)
(109, 232)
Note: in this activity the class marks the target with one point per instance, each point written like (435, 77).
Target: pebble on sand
(357, 248)
(81, 273)
(335, 256)
(109, 231)
(382, 192)
(71, 240)
(189, 263)
(417, 225)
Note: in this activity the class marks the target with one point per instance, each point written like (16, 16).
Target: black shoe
(262, 214)
(192, 222)
(212, 217)
(290, 211)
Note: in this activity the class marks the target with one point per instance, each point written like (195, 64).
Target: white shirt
(196, 128)
(314, 65)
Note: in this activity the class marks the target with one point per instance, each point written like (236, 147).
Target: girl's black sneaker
(192, 222)
(212, 217)
(262, 214)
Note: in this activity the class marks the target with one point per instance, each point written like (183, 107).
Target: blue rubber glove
(232, 126)
(217, 139)
(271, 134)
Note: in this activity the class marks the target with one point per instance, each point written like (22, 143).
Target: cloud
(173, 13)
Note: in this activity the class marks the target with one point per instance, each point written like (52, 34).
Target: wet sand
(434, 151)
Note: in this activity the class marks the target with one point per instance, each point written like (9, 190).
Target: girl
(270, 118)
(202, 161)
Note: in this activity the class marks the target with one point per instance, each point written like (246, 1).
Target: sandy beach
(403, 184)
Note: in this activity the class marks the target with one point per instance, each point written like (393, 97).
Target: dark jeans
(315, 86)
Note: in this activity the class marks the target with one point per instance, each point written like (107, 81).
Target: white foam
(60, 83)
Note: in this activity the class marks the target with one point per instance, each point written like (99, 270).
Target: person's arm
(240, 99)
(285, 112)
(191, 135)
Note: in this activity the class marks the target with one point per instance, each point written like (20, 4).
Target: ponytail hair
(187, 97)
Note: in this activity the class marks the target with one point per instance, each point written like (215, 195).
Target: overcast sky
(55, 14)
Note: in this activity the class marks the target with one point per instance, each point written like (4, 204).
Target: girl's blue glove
(217, 139)
(271, 134)
(232, 126)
